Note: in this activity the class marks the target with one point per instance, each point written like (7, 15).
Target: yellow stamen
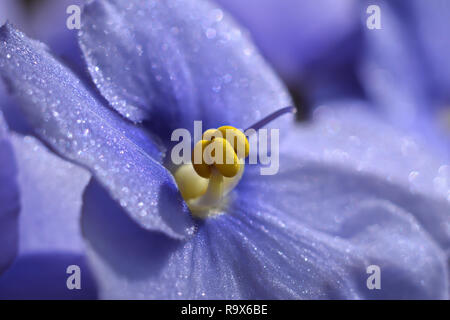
(217, 166)
(237, 139)
(222, 156)
(218, 162)
(221, 148)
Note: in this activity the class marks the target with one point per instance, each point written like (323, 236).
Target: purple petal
(350, 221)
(50, 238)
(431, 18)
(77, 126)
(43, 276)
(173, 62)
(344, 135)
(9, 199)
(309, 231)
(396, 77)
(12, 11)
(315, 241)
(51, 190)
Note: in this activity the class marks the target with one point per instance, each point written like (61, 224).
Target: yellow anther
(221, 148)
(218, 162)
(237, 139)
(200, 166)
(224, 157)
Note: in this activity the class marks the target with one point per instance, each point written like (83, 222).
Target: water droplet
(143, 213)
(413, 176)
(217, 15)
(211, 33)
(227, 78)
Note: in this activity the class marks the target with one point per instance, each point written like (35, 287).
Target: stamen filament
(261, 123)
(201, 207)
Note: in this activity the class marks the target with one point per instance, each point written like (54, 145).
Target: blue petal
(173, 62)
(349, 221)
(69, 119)
(9, 199)
(50, 238)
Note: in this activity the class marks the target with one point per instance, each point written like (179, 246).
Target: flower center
(218, 162)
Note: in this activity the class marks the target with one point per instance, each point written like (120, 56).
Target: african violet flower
(309, 231)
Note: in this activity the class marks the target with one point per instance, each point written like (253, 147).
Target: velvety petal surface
(9, 199)
(173, 62)
(315, 241)
(365, 220)
(50, 236)
(70, 120)
(48, 23)
(346, 135)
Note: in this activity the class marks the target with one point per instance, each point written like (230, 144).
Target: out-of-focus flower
(10, 10)
(45, 20)
(313, 45)
(293, 34)
(309, 231)
(324, 50)
(404, 69)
